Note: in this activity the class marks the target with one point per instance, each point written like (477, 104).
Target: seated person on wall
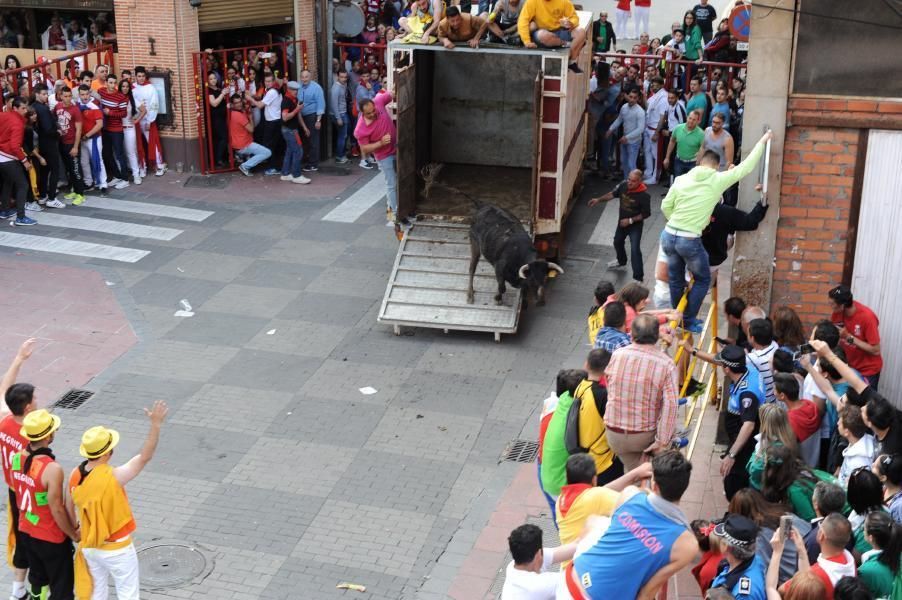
(457, 27)
(556, 26)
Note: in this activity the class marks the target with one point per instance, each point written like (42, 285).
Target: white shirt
(859, 454)
(273, 101)
(655, 107)
(762, 359)
(676, 114)
(526, 585)
(147, 95)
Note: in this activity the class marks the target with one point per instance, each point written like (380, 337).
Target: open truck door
(405, 111)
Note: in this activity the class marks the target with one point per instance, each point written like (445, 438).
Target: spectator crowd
(57, 31)
(85, 131)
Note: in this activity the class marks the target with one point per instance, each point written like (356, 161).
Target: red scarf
(569, 494)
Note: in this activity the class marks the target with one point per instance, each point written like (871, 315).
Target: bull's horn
(522, 271)
(551, 265)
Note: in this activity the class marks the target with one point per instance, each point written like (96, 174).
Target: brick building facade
(820, 196)
(173, 27)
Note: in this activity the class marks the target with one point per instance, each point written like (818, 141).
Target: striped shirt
(761, 359)
(117, 103)
(642, 391)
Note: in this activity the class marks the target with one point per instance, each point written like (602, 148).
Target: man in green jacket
(687, 208)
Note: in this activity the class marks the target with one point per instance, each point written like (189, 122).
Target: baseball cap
(737, 530)
(294, 85)
(731, 356)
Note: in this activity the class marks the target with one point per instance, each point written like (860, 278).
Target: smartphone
(785, 526)
(721, 341)
(806, 349)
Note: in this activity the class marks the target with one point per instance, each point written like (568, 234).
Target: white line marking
(61, 246)
(146, 208)
(56, 219)
(359, 202)
(603, 234)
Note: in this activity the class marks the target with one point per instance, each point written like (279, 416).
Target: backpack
(571, 429)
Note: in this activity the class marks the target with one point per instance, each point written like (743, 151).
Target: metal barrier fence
(66, 67)
(285, 59)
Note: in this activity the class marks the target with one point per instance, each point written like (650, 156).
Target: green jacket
(693, 196)
(554, 448)
(876, 576)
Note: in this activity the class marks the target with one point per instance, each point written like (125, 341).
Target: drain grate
(521, 451)
(217, 182)
(166, 564)
(73, 399)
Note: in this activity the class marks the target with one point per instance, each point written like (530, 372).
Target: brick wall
(820, 158)
(305, 29)
(173, 26)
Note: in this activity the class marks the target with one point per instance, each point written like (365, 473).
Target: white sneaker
(300, 179)
(160, 170)
(615, 264)
(121, 185)
(365, 165)
(286, 178)
(113, 181)
(33, 207)
(142, 173)
(137, 180)
(55, 204)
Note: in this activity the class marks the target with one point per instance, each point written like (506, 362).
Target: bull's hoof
(498, 300)
(469, 297)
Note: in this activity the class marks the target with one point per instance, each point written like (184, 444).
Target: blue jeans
(342, 133)
(257, 152)
(387, 166)
(551, 501)
(686, 253)
(629, 153)
(682, 166)
(293, 153)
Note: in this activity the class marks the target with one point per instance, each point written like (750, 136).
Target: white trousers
(145, 129)
(620, 20)
(652, 171)
(131, 150)
(87, 147)
(121, 565)
(641, 20)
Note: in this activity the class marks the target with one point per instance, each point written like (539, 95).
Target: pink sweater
(370, 133)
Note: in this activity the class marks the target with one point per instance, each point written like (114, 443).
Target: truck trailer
(502, 124)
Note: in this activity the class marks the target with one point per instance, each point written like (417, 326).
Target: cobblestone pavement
(272, 458)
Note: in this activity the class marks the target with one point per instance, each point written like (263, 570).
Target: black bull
(499, 237)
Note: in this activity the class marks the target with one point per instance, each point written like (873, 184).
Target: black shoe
(574, 67)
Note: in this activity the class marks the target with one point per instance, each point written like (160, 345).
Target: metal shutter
(214, 15)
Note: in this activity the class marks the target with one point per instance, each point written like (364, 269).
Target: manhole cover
(172, 564)
(218, 182)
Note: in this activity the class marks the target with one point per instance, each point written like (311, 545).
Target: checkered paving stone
(272, 459)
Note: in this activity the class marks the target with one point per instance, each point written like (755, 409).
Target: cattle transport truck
(502, 124)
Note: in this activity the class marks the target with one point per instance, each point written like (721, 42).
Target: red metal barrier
(66, 66)
(378, 50)
(242, 59)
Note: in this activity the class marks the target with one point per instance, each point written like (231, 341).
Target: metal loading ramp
(428, 285)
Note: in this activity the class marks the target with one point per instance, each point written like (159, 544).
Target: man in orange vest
(105, 517)
(44, 525)
(19, 401)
